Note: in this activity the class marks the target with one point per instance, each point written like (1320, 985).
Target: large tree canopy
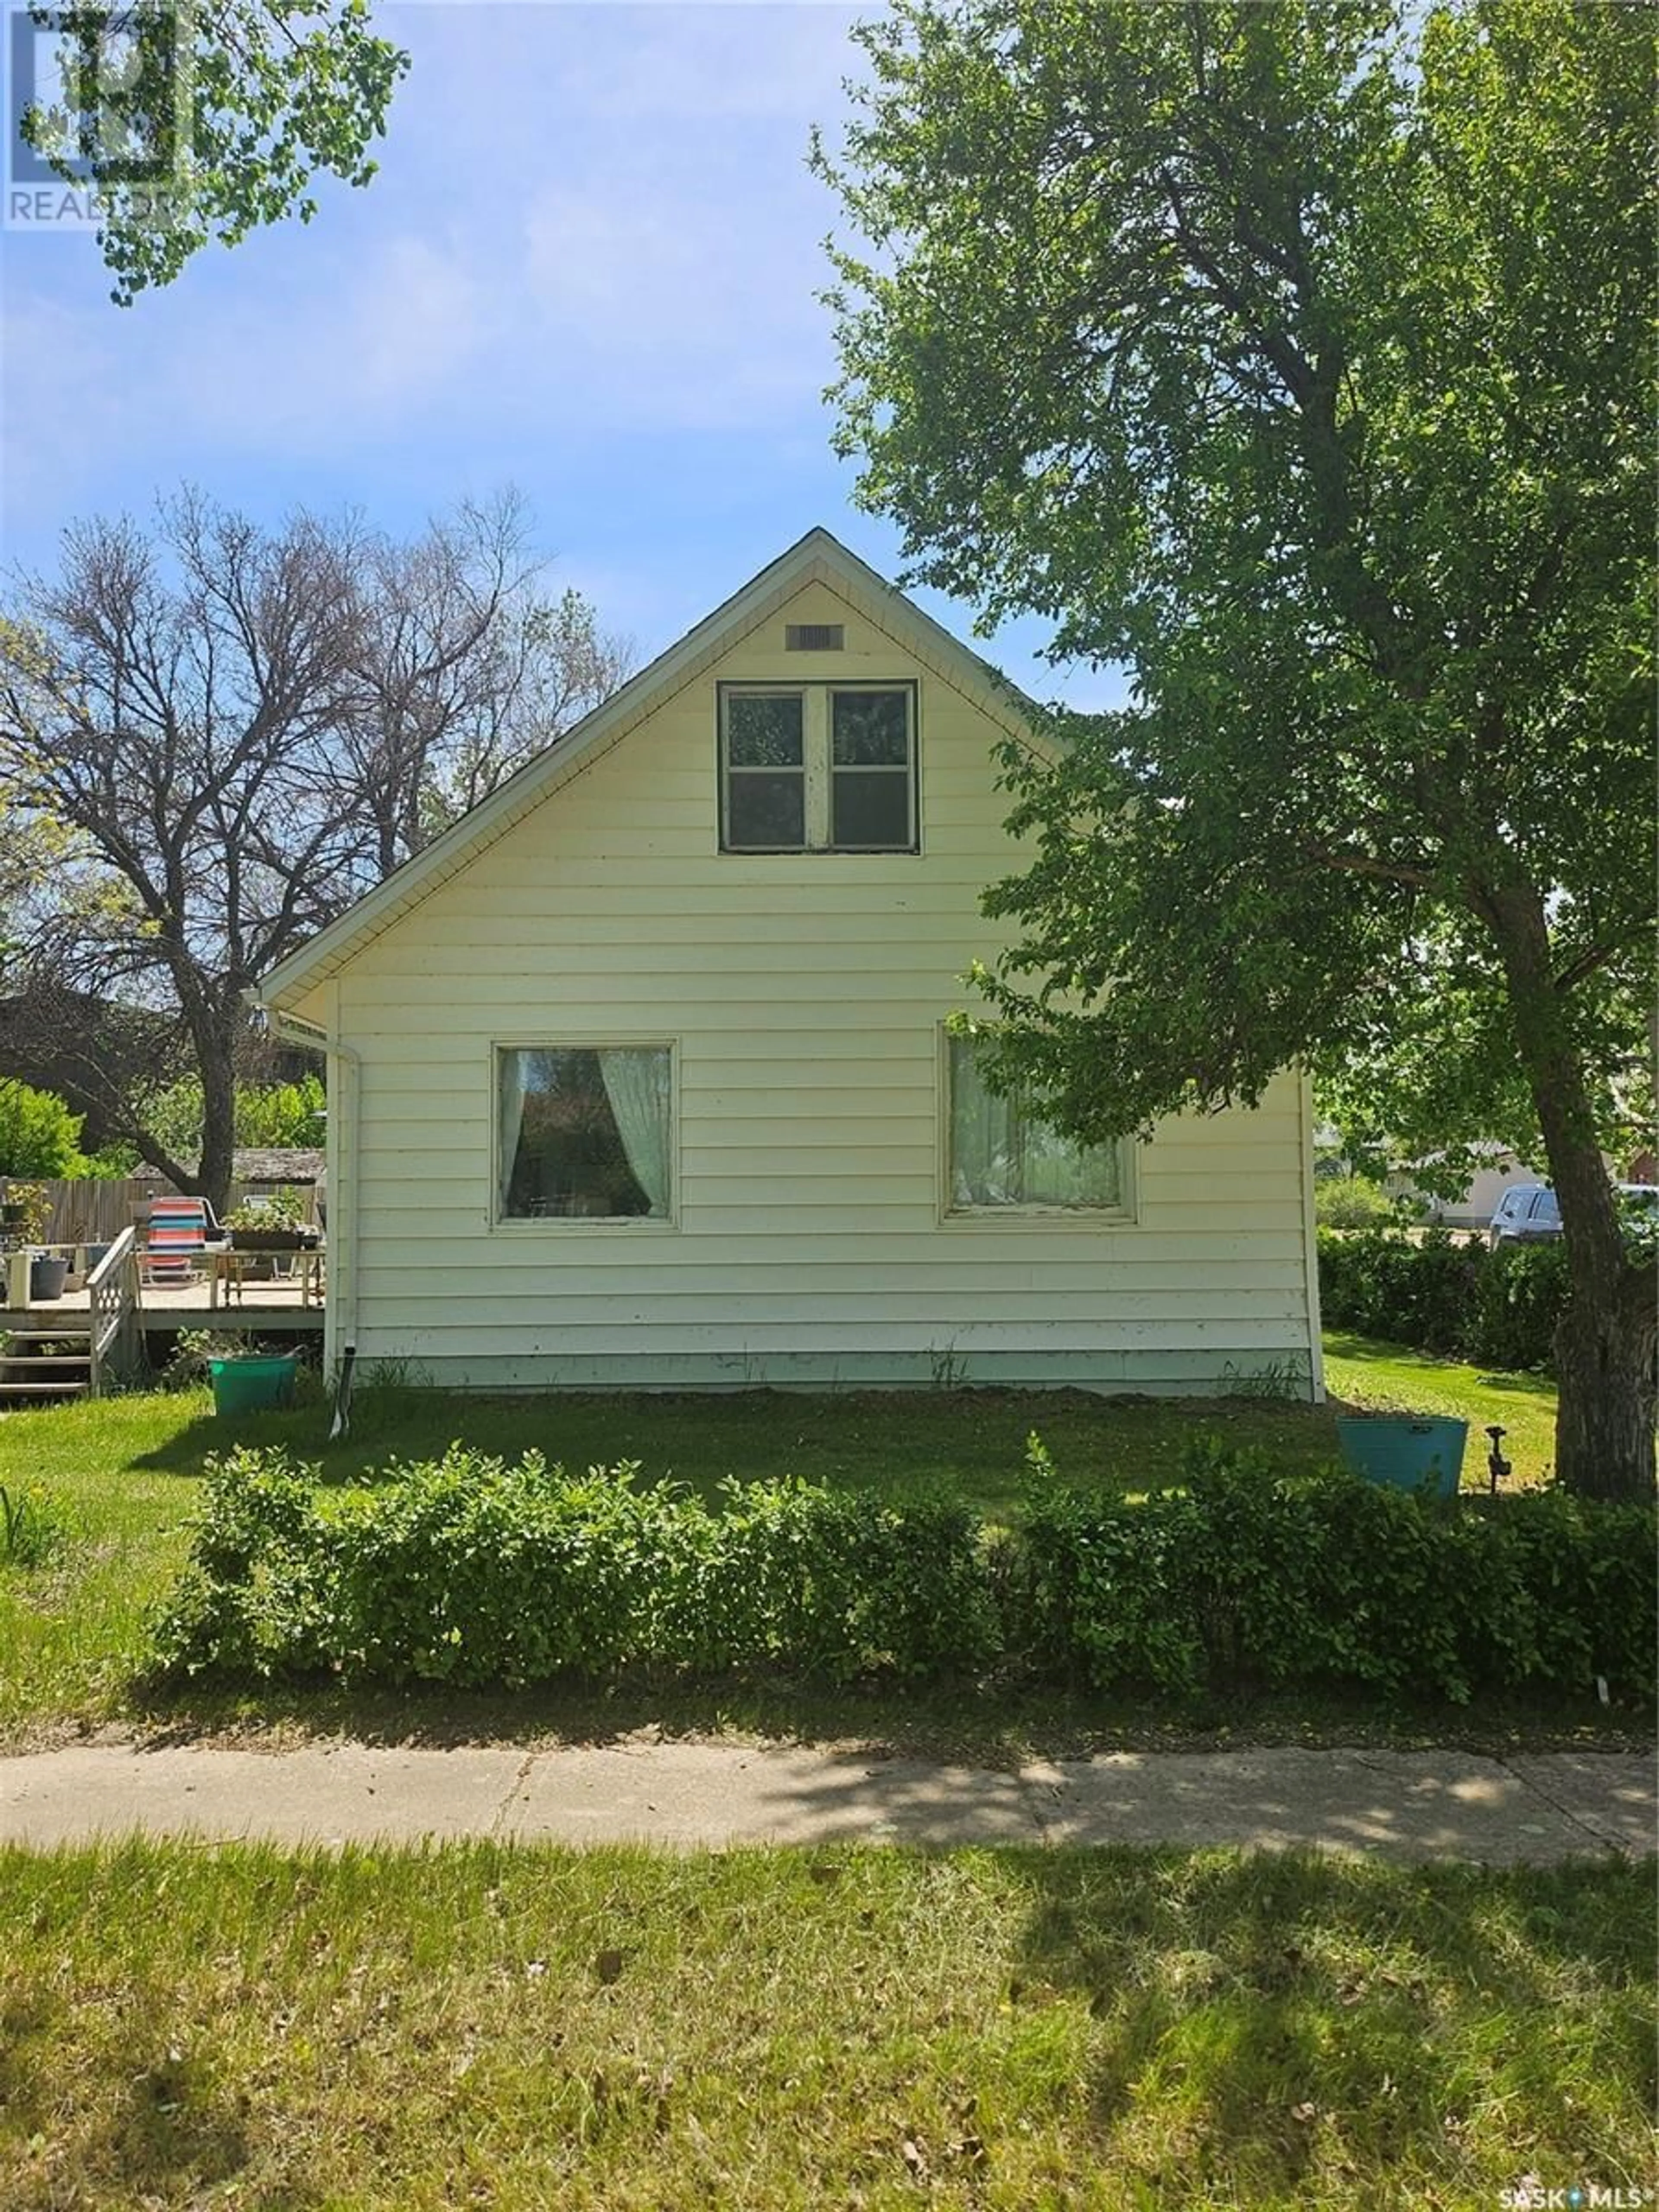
(230, 733)
(196, 119)
(1299, 357)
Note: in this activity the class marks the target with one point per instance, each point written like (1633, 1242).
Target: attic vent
(813, 637)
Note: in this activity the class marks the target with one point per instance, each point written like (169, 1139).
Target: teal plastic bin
(253, 1385)
(1406, 1451)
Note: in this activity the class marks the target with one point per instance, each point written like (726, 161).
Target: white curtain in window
(980, 1167)
(509, 1102)
(1002, 1155)
(636, 1083)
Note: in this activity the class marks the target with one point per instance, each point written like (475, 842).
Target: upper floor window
(812, 768)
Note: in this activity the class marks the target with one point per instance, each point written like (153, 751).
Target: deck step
(63, 1389)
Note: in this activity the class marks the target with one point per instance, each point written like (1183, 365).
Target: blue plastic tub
(1404, 1451)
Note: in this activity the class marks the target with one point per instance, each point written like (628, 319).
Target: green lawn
(968, 1443)
(786, 2031)
(1360, 1371)
(126, 1470)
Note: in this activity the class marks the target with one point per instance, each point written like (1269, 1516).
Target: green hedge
(1248, 1578)
(471, 1571)
(1492, 1308)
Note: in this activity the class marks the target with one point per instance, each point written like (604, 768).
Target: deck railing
(111, 1300)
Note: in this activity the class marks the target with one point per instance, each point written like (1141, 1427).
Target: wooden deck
(264, 1305)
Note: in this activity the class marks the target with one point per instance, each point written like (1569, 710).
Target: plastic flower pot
(254, 1382)
(48, 1272)
(1404, 1451)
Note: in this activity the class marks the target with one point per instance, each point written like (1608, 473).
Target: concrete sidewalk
(1404, 1805)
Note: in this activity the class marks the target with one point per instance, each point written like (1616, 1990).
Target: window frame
(564, 1224)
(816, 693)
(1074, 1219)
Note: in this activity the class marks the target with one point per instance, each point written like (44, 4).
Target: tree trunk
(215, 1053)
(1604, 1429)
(1606, 1343)
(213, 1175)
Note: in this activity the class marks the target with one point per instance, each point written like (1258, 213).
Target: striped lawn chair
(177, 1239)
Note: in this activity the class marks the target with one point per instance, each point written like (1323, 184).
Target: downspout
(1310, 1238)
(318, 1039)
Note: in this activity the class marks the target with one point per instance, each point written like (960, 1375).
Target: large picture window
(812, 768)
(1005, 1157)
(584, 1133)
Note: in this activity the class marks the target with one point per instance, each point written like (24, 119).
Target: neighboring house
(640, 1076)
(261, 1167)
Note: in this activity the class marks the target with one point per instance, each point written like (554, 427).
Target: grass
(1016, 2029)
(126, 1471)
(1360, 1371)
(968, 1443)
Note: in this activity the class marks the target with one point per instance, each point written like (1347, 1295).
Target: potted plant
(24, 1212)
(248, 1377)
(1404, 1450)
(28, 1210)
(275, 1223)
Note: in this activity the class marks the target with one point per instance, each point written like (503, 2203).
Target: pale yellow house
(639, 1076)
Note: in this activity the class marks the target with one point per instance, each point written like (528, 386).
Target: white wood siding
(803, 995)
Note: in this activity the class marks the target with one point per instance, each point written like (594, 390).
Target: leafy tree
(275, 1115)
(238, 733)
(1299, 357)
(199, 122)
(282, 1114)
(39, 1135)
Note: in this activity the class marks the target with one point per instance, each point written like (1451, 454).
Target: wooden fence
(95, 1211)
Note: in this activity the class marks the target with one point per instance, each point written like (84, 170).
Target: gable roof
(817, 558)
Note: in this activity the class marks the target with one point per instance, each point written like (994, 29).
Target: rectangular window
(1005, 1157)
(585, 1133)
(812, 768)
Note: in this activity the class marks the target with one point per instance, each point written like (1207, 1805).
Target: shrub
(1461, 1301)
(1383, 1283)
(39, 1135)
(1520, 1294)
(1246, 1577)
(471, 1570)
(258, 1593)
(1353, 1202)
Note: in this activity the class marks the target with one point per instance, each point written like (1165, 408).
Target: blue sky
(587, 268)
